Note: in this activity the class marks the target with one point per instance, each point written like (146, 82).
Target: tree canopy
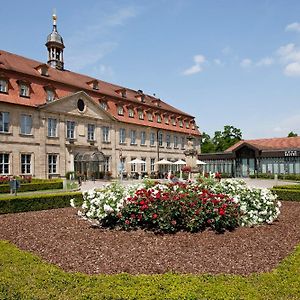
(292, 134)
(221, 141)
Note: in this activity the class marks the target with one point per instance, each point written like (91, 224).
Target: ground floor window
(52, 163)
(26, 163)
(133, 166)
(143, 166)
(4, 163)
(152, 164)
(106, 165)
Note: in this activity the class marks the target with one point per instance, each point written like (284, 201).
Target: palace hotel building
(53, 121)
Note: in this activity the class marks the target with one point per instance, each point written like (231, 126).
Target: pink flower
(154, 216)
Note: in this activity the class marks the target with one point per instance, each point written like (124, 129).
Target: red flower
(139, 216)
(173, 222)
(221, 212)
(154, 216)
(132, 216)
(127, 222)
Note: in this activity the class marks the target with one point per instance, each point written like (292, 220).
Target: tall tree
(207, 145)
(221, 140)
(292, 134)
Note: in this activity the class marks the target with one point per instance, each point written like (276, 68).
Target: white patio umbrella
(200, 162)
(163, 162)
(136, 161)
(180, 162)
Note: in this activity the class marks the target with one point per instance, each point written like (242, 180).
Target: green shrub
(288, 187)
(35, 185)
(287, 194)
(14, 204)
(294, 177)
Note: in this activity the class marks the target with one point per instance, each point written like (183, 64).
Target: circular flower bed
(171, 207)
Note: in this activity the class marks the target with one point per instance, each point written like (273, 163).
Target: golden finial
(54, 17)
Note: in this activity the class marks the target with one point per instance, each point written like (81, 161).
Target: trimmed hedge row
(14, 204)
(280, 176)
(35, 186)
(287, 194)
(288, 187)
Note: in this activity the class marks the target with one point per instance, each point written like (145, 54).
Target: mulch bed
(59, 236)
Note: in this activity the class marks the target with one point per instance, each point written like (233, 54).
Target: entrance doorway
(90, 165)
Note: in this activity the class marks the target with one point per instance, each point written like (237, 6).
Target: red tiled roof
(67, 82)
(269, 144)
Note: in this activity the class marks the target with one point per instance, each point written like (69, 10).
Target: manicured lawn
(25, 276)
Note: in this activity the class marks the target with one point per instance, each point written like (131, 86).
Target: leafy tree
(221, 140)
(207, 145)
(292, 134)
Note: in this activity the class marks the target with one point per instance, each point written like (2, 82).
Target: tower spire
(55, 46)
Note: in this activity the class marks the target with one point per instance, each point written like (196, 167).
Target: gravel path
(60, 237)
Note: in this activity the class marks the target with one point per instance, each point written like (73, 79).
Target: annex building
(250, 157)
(54, 121)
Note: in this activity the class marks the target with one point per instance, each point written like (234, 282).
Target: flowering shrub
(186, 169)
(257, 205)
(177, 206)
(104, 204)
(171, 207)
(4, 179)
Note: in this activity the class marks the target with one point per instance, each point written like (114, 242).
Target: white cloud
(197, 67)
(89, 45)
(246, 63)
(292, 69)
(290, 56)
(267, 61)
(293, 27)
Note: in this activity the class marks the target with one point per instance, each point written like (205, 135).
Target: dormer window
(43, 70)
(166, 120)
(130, 112)
(120, 110)
(94, 84)
(180, 123)
(150, 117)
(158, 118)
(50, 94)
(187, 124)
(122, 92)
(141, 114)
(3, 86)
(173, 121)
(24, 89)
(104, 105)
(193, 126)
(140, 96)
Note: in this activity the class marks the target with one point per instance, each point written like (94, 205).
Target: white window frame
(168, 140)
(150, 117)
(106, 165)
(52, 127)
(132, 137)
(175, 141)
(91, 132)
(70, 130)
(158, 118)
(26, 124)
(24, 90)
(50, 95)
(4, 163)
(104, 105)
(105, 134)
(120, 110)
(26, 163)
(3, 85)
(182, 142)
(130, 113)
(52, 163)
(143, 166)
(141, 114)
(160, 139)
(152, 164)
(4, 123)
(152, 138)
(122, 136)
(143, 138)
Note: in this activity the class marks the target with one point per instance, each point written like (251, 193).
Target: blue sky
(226, 62)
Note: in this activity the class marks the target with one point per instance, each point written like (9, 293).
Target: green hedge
(287, 187)
(24, 276)
(295, 177)
(287, 194)
(36, 185)
(14, 204)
